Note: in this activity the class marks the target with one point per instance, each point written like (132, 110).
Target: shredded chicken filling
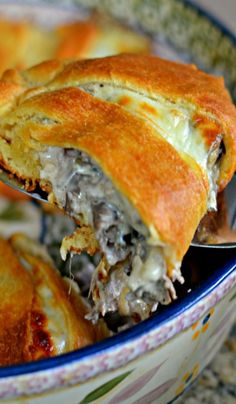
(131, 276)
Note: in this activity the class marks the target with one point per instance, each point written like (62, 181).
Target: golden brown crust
(23, 44)
(81, 240)
(60, 302)
(12, 34)
(153, 77)
(156, 77)
(78, 331)
(76, 39)
(15, 306)
(142, 165)
(98, 36)
(168, 190)
(26, 310)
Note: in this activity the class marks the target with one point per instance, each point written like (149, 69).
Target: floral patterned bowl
(155, 360)
(158, 359)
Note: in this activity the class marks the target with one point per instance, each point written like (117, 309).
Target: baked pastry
(24, 44)
(41, 313)
(135, 148)
(98, 36)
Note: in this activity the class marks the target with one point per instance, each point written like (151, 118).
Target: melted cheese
(151, 270)
(174, 123)
(60, 168)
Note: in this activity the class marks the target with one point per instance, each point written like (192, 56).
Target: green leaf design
(104, 388)
(11, 213)
(233, 297)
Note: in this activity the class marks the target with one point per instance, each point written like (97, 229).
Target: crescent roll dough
(41, 315)
(23, 43)
(133, 147)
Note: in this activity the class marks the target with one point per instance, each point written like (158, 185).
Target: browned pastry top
(167, 187)
(148, 75)
(16, 301)
(24, 44)
(41, 315)
(179, 83)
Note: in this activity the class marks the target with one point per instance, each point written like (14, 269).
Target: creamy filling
(174, 123)
(133, 280)
(81, 188)
(136, 279)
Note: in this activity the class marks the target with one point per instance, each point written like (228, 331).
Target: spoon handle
(12, 182)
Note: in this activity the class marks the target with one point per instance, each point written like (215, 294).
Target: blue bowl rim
(154, 322)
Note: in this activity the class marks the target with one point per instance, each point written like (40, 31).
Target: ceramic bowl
(155, 360)
(158, 359)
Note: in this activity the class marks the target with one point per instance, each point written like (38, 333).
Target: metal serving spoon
(230, 196)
